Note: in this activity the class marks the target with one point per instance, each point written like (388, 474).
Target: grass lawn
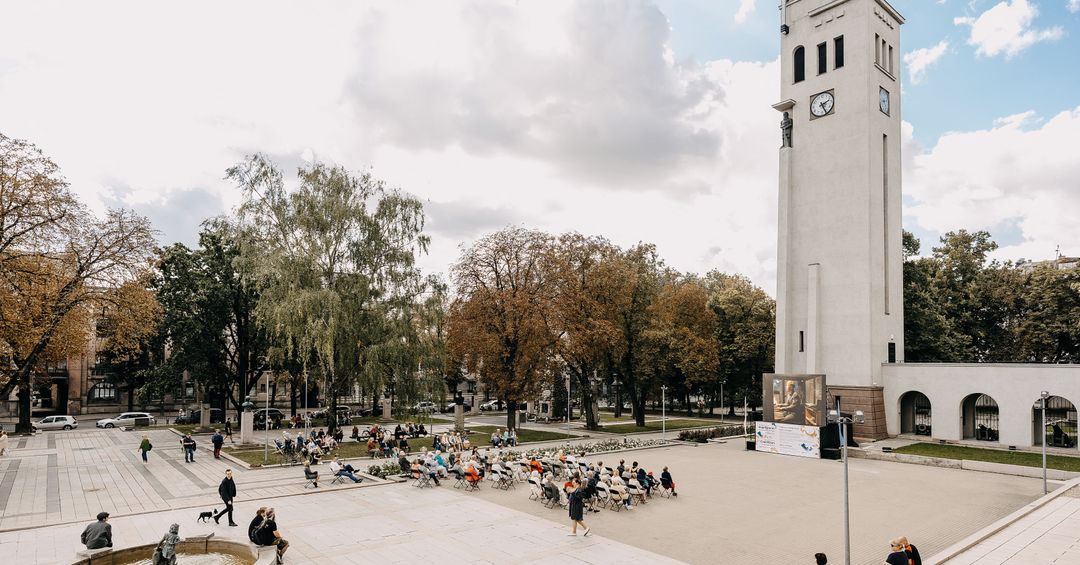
(655, 426)
(1027, 459)
(483, 435)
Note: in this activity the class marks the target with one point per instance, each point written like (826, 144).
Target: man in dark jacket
(98, 534)
(227, 491)
(188, 444)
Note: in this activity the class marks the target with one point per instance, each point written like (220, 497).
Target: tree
(645, 275)
(499, 322)
(589, 292)
(127, 330)
(746, 333)
(334, 260)
(929, 334)
(209, 314)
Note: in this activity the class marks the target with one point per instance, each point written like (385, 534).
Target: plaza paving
(735, 507)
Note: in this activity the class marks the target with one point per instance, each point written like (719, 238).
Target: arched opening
(1060, 428)
(915, 413)
(979, 417)
(102, 393)
(799, 64)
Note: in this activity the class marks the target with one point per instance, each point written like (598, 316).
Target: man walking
(227, 491)
(218, 440)
(188, 443)
(98, 534)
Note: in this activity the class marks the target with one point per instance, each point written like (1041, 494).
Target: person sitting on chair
(339, 471)
(310, 475)
(667, 482)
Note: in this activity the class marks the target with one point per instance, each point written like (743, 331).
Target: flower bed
(701, 436)
(385, 470)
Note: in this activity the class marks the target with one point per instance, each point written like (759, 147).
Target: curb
(978, 537)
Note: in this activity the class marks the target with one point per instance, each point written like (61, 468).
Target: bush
(385, 470)
(701, 436)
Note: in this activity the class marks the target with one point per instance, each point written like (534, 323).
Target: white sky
(551, 115)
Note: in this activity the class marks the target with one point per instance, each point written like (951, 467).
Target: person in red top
(536, 466)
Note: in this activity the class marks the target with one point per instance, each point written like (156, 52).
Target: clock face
(883, 100)
(822, 104)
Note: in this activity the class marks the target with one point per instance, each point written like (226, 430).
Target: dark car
(217, 416)
(275, 416)
(449, 408)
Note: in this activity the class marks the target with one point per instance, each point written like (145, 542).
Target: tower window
(890, 61)
(802, 342)
(838, 52)
(822, 64)
(800, 64)
(877, 49)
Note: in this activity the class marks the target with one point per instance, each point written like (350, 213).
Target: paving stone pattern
(1047, 536)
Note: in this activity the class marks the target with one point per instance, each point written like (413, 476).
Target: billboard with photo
(788, 439)
(794, 399)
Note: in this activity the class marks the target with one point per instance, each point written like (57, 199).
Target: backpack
(193, 444)
(149, 446)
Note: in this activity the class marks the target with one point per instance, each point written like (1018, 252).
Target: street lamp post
(266, 418)
(569, 405)
(841, 420)
(663, 412)
(1044, 395)
(722, 401)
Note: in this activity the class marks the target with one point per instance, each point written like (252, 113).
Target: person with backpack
(218, 440)
(256, 522)
(188, 443)
(145, 447)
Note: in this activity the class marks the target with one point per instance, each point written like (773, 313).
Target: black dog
(204, 516)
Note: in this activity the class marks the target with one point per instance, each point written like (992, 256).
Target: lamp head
(833, 415)
(1044, 395)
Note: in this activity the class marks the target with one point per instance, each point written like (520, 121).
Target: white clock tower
(839, 293)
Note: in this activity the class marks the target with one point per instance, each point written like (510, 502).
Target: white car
(127, 419)
(490, 405)
(56, 423)
(424, 407)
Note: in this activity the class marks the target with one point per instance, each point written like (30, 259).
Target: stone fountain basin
(239, 553)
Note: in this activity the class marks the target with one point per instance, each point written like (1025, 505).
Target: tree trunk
(131, 398)
(331, 415)
(618, 403)
(273, 393)
(511, 414)
(23, 427)
(292, 398)
(637, 401)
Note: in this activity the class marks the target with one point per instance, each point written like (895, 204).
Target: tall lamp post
(1044, 395)
(663, 412)
(722, 400)
(569, 405)
(266, 419)
(858, 418)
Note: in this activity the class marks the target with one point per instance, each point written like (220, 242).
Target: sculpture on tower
(786, 123)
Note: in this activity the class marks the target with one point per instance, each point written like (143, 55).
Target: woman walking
(577, 506)
(145, 447)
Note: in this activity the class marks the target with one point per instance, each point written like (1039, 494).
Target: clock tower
(839, 295)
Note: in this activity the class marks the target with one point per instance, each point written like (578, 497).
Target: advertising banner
(788, 439)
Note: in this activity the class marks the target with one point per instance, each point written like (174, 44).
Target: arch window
(979, 417)
(915, 414)
(799, 63)
(102, 393)
(1060, 428)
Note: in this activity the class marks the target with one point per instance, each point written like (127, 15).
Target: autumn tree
(334, 260)
(499, 323)
(127, 330)
(680, 340)
(589, 292)
(58, 264)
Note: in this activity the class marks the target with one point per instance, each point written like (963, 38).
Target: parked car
(275, 416)
(321, 413)
(424, 407)
(55, 423)
(491, 405)
(128, 419)
(449, 408)
(217, 416)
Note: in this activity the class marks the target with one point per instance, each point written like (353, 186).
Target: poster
(788, 439)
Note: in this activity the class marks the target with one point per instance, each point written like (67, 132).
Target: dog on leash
(204, 516)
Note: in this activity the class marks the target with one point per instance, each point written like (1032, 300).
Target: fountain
(172, 550)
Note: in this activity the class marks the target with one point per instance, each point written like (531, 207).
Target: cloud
(1018, 175)
(459, 219)
(746, 7)
(1006, 29)
(1074, 6)
(919, 60)
(549, 82)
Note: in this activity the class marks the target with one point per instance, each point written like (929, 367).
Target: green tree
(929, 334)
(745, 335)
(645, 275)
(334, 260)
